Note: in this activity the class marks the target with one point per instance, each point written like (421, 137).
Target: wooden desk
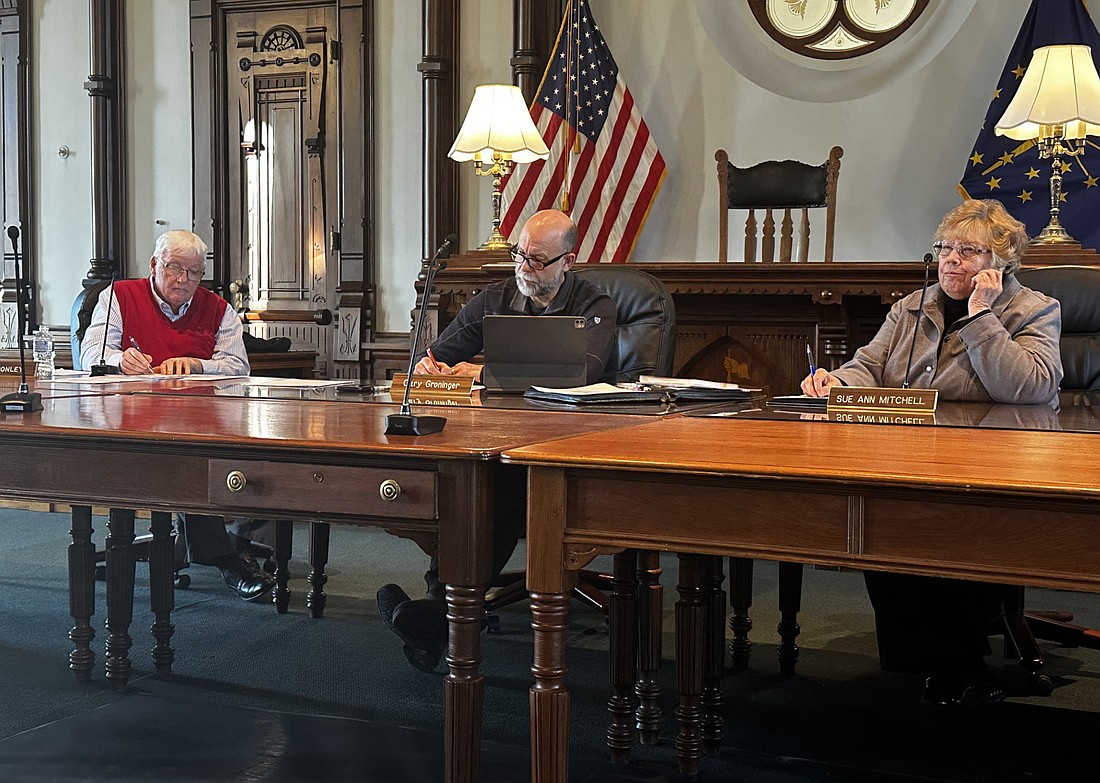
(1012, 506)
(287, 459)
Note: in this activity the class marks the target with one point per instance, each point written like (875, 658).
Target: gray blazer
(1010, 355)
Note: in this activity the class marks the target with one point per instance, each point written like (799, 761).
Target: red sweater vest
(193, 335)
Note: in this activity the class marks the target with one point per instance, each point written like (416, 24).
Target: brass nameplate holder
(871, 405)
(435, 386)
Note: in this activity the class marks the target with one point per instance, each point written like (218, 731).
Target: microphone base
(105, 369)
(408, 424)
(21, 402)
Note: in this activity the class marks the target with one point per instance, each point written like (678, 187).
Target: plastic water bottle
(43, 351)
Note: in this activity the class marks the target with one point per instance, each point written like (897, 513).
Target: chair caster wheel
(182, 581)
(492, 624)
(269, 567)
(101, 573)
(1040, 685)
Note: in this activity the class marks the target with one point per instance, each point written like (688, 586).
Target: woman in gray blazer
(980, 336)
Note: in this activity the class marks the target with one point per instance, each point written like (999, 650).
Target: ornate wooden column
(16, 187)
(106, 88)
(439, 69)
(534, 29)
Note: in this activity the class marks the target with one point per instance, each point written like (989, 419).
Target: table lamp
(497, 133)
(1057, 104)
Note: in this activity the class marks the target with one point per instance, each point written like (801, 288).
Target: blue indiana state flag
(1011, 171)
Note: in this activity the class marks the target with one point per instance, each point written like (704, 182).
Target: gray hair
(179, 243)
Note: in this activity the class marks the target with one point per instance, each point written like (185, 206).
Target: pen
(432, 357)
(810, 359)
(137, 348)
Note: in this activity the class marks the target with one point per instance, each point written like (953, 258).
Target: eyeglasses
(175, 270)
(965, 252)
(519, 257)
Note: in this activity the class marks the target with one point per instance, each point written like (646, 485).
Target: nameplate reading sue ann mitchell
(866, 399)
(434, 385)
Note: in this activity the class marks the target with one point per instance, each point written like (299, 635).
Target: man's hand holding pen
(429, 365)
(134, 361)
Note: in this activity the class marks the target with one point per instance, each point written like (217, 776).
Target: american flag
(604, 168)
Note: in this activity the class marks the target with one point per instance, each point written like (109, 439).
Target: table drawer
(297, 488)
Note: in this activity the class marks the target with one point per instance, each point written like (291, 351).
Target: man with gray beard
(542, 285)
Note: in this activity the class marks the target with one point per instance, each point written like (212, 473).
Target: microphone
(101, 367)
(404, 422)
(24, 400)
(920, 313)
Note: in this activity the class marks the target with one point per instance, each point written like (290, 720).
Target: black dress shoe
(960, 694)
(421, 625)
(246, 579)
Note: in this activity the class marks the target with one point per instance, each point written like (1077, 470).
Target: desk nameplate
(436, 385)
(868, 399)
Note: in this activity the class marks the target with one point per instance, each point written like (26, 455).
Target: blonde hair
(988, 222)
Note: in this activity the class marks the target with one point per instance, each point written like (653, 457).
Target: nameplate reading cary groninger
(882, 406)
(433, 385)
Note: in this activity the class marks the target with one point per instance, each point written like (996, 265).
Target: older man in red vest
(168, 324)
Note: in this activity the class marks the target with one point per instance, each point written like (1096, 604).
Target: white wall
(906, 127)
(398, 145)
(158, 128)
(63, 192)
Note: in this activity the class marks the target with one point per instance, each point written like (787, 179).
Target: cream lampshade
(498, 133)
(1057, 104)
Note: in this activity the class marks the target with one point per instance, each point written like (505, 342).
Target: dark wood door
(276, 185)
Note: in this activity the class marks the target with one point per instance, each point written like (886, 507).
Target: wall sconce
(1057, 104)
(497, 133)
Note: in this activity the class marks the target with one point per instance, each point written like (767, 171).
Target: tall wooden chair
(789, 188)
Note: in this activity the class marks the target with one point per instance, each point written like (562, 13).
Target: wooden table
(1000, 505)
(272, 458)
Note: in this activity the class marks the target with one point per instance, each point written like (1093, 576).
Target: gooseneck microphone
(404, 422)
(24, 400)
(101, 367)
(920, 314)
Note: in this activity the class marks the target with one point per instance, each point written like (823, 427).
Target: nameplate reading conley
(864, 398)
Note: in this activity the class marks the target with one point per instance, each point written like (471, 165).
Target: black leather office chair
(1077, 289)
(645, 343)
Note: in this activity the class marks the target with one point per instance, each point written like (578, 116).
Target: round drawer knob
(235, 481)
(389, 490)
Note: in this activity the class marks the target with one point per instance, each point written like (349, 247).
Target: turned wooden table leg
(691, 618)
(318, 559)
(714, 655)
(463, 689)
(650, 621)
(790, 604)
(81, 593)
(161, 590)
(624, 655)
(740, 602)
(120, 594)
(549, 702)
(283, 539)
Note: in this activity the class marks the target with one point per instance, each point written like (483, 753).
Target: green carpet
(838, 719)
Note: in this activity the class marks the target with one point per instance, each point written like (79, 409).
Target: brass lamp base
(1054, 234)
(496, 241)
